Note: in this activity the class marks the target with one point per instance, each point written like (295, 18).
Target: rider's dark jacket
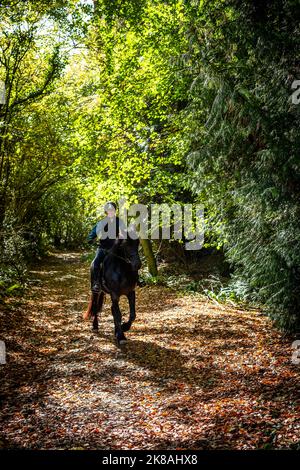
(106, 231)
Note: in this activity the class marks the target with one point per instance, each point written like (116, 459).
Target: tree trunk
(148, 252)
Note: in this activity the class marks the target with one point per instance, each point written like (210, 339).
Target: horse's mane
(130, 239)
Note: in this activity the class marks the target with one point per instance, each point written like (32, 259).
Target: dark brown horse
(119, 275)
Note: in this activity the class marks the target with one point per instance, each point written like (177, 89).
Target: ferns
(244, 151)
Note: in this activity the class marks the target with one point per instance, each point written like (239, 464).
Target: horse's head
(130, 248)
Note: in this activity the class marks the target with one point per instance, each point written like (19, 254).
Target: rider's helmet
(110, 205)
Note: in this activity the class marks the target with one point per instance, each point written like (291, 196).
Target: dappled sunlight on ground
(193, 374)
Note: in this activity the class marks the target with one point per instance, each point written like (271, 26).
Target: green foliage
(244, 138)
(66, 218)
(34, 128)
(128, 118)
(10, 290)
(13, 260)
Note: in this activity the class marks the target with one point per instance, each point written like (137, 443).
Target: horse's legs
(95, 297)
(131, 299)
(97, 304)
(115, 309)
(96, 268)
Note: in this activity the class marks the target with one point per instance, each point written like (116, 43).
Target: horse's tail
(87, 314)
(94, 306)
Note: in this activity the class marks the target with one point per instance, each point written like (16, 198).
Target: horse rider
(105, 231)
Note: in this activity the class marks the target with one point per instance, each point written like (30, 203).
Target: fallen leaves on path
(191, 376)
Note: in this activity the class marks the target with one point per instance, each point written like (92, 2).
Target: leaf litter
(191, 375)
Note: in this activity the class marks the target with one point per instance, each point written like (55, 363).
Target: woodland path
(193, 374)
